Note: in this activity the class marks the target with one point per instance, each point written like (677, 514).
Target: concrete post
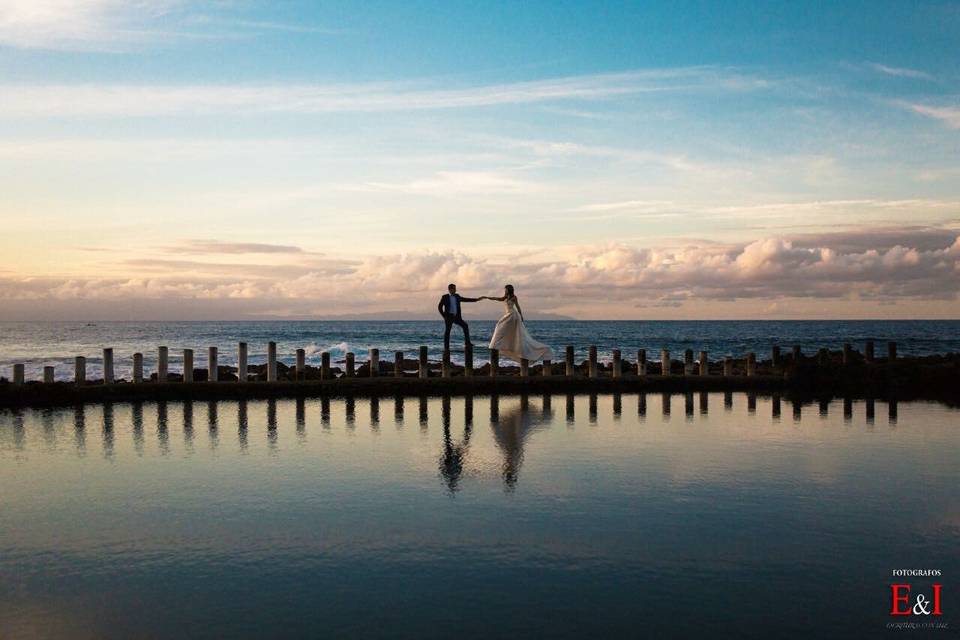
(213, 365)
(18, 374)
(547, 369)
(162, 364)
(847, 353)
(445, 365)
(374, 363)
(242, 362)
(48, 377)
(138, 368)
(524, 368)
(325, 365)
(398, 364)
(271, 362)
(423, 369)
(891, 351)
(350, 364)
(571, 366)
(751, 364)
(775, 355)
(592, 364)
(868, 351)
(468, 361)
(704, 364)
(688, 362)
(108, 366)
(665, 362)
(494, 362)
(617, 364)
(80, 370)
(188, 365)
(728, 366)
(301, 364)
(641, 362)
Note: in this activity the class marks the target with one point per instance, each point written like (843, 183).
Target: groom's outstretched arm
(462, 299)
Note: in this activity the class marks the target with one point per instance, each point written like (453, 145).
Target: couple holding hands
(510, 336)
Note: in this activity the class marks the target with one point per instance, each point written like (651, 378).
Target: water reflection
(511, 432)
(107, 435)
(642, 405)
(242, 424)
(163, 437)
(688, 406)
(79, 429)
(188, 426)
(136, 420)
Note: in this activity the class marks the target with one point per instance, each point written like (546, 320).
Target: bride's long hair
(509, 291)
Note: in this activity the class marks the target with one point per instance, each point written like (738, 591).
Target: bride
(510, 337)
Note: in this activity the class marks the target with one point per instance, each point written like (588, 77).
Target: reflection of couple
(510, 336)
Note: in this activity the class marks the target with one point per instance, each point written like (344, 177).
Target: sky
(172, 159)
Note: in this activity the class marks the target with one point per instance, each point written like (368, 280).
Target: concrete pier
(108, 377)
(423, 367)
(325, 365)
(18, 374)
(271, 362)
(188, 365)
(138, 368)
(592, 362)
(162, 364)
(48, 375)
(374, 363)
(641, 362)
(398, 364)
(213, 367)
(617, 364)
(571, 368)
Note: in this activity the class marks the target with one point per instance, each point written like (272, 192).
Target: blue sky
(660, 159)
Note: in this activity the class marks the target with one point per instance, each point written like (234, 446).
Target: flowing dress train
(511, 338)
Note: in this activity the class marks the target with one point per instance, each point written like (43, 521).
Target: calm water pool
(550, 516)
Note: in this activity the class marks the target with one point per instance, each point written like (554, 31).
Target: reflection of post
(727, 400)
(301, 412)
(136, 420)
(617, 405)
(188, 424)
(751, 402)
(547, 405)
(871, 410)
(824, 407)
(242, 424)
(892, 411)
(847, 409)
(642, 405)
(424, 416)
(665, 402)
(593, 408)
(108, 429)
(350, 409)
(571, 408)
(688, 405)
(494, 408)
(775, 406)
(374, 412)
(398, 411)
(468, 411)
(445, 413)
(704, 403)
(325, 412)
(162, 436)
(212, 419)
(271, 413)
(797, 410)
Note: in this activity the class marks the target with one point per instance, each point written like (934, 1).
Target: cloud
(177, 100)
(880, 265)
(216, 247)
(454, 183)
(949, 116)
(901, 72)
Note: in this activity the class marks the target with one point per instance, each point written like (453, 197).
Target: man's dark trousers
(450, 320)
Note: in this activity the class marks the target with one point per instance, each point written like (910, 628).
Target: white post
(374, 363)
(242, 362)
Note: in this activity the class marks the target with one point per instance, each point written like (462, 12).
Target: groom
(449, 308)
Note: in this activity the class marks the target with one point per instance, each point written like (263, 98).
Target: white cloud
(174, 100)
(901, 72)
(950, 116)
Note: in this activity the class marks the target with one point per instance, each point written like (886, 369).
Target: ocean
(37, 344)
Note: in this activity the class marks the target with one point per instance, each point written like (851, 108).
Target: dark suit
(451, 319)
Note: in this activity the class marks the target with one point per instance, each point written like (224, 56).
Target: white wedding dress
(511, 339)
